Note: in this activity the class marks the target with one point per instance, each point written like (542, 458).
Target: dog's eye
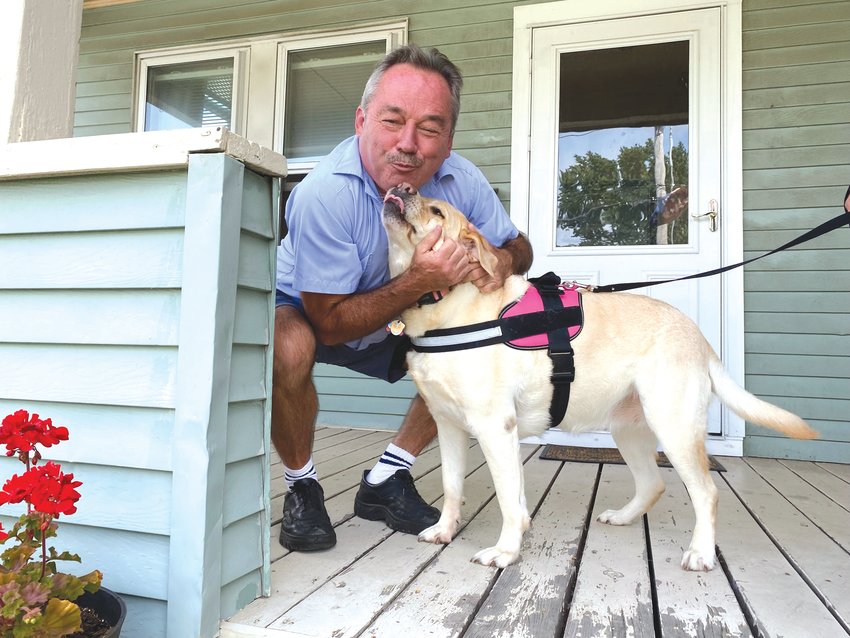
(437, 211)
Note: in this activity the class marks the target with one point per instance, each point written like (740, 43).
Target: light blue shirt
(336, 242)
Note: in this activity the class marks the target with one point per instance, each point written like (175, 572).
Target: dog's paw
(495, 557)
(614, 517)
(694, 561)
(437, 534)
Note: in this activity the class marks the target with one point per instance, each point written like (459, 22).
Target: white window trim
(259, 75)
(529, 17)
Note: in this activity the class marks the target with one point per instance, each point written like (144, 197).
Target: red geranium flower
(20, 432)
(54, 492)
(17, 489)
(45, 487)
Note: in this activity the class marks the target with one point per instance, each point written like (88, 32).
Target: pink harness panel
(531, 302)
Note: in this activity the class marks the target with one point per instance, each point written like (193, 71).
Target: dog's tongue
(391, 197)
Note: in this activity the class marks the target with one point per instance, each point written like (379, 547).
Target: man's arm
(341, 318)
(520, 252)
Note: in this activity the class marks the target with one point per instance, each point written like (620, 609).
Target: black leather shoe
(306, 525)
(396, 502)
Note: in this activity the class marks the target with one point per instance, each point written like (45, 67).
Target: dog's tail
(751, 408)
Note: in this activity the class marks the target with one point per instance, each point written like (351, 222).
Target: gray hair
(427, 60)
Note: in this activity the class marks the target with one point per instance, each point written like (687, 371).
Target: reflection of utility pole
(670, 155)
(660, 174)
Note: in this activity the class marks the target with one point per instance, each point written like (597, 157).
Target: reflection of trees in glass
(607, 202)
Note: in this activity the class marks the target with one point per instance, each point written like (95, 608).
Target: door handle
(711, 214)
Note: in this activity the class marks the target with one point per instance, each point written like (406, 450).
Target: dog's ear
(479, 249)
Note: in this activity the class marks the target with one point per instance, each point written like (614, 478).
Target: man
(335, 296)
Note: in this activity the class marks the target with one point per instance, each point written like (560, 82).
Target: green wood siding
(796, 75)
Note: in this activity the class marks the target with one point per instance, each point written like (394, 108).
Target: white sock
(306, 472)
(393, 459)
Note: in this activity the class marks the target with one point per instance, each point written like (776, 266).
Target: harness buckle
(563, 367)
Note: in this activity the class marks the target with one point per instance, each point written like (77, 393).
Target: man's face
(405, 134)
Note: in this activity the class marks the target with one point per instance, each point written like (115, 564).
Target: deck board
(806, 547)
(690, 604)
(527, 600)
(819, 508)
(613, 595)
(836, 469)
(778, 599)
(822, 480)
(782, 532)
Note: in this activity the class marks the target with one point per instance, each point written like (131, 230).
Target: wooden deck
(783, 534)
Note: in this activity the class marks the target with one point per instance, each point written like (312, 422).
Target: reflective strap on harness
(447, 342)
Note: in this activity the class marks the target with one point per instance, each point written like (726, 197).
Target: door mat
(604, 455)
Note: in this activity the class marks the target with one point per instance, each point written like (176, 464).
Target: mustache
(404, 158)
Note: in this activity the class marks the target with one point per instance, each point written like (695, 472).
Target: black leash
(827, 226)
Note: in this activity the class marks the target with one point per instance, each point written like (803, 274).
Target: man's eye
(391, 122)
(437, 212)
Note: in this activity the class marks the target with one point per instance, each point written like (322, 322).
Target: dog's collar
(431, 297)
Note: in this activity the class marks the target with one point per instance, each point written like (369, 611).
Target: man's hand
(439, 267)
(513, 258)
(487, 282)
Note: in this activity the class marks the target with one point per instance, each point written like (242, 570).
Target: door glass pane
(323, 89)
(623, 146)
(190, 94)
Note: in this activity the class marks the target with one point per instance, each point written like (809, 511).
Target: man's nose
(407, 138)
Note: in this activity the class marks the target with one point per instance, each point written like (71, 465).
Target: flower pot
(109, 606)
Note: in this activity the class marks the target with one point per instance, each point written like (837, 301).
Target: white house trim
(133, 151)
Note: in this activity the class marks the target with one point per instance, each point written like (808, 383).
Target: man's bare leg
(418, 428)
(305, 525)
(295, 403)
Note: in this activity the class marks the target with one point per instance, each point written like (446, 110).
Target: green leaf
(61, 617)
(53, 555)
(66, 586)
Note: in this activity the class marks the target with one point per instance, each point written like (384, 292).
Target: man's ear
(359, 120)
(479, 249)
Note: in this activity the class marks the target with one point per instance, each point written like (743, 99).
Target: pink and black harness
(548, 316)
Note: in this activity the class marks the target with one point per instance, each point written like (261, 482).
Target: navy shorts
(383, 360)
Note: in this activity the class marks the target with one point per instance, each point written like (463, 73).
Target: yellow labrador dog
(643, 370)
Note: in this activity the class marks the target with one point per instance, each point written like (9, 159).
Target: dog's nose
(407, 188)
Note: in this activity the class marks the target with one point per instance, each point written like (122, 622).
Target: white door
(625, 159)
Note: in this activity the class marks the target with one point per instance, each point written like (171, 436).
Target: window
(189, 95)
(190, 90)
